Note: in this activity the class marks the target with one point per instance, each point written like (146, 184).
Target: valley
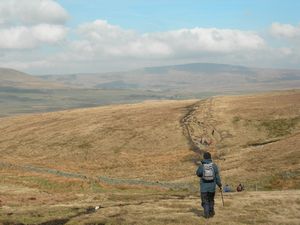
(22, 93)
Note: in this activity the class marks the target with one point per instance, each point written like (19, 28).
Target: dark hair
(207, 155)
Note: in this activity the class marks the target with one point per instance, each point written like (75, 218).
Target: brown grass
(126, 141)
(146, 141)
(240, 208)
(241, 141)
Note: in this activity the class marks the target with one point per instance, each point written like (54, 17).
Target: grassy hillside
(137, 162)
(147, 208)
(255, 137)
(121, 141)
(10, 78)
(129, 141)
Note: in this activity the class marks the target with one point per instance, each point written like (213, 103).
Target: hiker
(209, 174)
(209, 142)
(240, 188)
(227, 188)
(201, 140)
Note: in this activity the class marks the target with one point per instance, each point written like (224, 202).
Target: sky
(77, 36)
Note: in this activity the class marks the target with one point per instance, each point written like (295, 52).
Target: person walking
(240, 188)
(227, 188)
(209, 174)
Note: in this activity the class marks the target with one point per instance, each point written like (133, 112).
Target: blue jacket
(209, 186)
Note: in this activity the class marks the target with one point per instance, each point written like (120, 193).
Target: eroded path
(198, 127)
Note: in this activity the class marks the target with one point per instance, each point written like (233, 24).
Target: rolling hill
(124, 141)
(137, 162)
(13, 79)
(21, 93)
(188, 78)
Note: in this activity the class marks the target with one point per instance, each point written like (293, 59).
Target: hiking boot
(211, 214)
(206, 216)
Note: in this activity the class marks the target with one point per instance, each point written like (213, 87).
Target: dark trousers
(208, 202)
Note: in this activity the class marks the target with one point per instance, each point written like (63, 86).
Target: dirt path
(198, 127)
(187, 128)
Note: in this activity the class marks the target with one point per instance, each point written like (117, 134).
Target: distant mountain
(195, 77)
(22, 93)
(10, 79)
(197, 67)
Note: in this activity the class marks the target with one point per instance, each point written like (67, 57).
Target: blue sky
(162, 15)
(69, 36)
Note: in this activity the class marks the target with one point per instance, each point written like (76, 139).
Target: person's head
(207, 155)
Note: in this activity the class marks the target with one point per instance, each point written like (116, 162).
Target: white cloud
(31, 12)
(22, 37)
(289, 37)
(285, 51)
(104, 39)
(49, 33)
(25, 65)
(285, 30)
(101, 30)
(100, 46)
(208, 40)
(27, 24)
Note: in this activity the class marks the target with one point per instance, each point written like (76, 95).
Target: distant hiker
(209, 142)
(227, 188)
(240, 188)
(201, 140)
(209, 174)
(213, 132)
